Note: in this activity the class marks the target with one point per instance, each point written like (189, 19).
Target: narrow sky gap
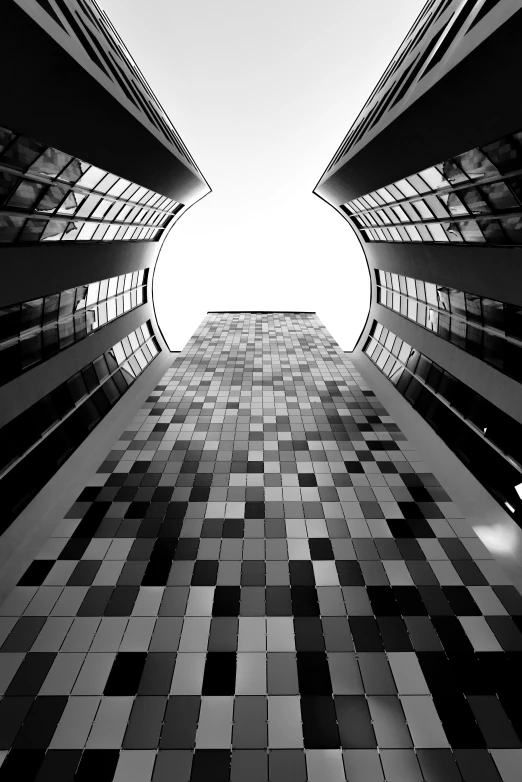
(262, 95)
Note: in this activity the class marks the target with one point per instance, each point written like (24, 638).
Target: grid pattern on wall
(33, 331)
(37, 442)
(50, 196)
(488, 329)
(475, 197)
(486, 439)
(262, 582)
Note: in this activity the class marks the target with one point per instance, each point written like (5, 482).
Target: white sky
(262, 94)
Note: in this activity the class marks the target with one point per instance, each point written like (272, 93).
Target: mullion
(441, 191)
(76, 406)
(77, 189)
(454, 410)
(483, 327)
(72, 219)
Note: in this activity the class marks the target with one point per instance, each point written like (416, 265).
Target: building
(262, 564)
(429, 178)
(261, 580)
(92, 177)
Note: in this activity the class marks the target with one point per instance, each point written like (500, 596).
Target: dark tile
(308, 634)
(31, 674)
(319, 723)
(226, 601)
(40, 723)
(349, 572)
(301, 573)
(355, 725)
(37, 572)
(157, 673)
(211, 764)
(320, 548)
(13, 712)
(365, 634)
(145, 723)
(304, 601)
(59, 766)
(204, 573)
(280, 601)
(223, 634)
(125, 675)
(220, 674)
(181, 722)
(98, 764)
(313, 673)
(22, 764)
(24, 634)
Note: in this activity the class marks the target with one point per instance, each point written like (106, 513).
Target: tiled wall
(262, 582)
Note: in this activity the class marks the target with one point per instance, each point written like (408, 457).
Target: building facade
(261, 580)
(429, 178)
(92, 177)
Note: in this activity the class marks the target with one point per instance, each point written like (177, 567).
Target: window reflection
(35, 180)
(486, 439)
(486, 328)
(481, 182)
(37, 442)
(47, 325)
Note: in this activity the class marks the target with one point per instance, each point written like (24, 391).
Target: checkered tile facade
(263, 581)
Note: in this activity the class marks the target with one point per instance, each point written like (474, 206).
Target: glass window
(119, 353)
(434, 178)
(452, 172)
(72, 172)
(50, 311)
(22, 153)
(87, 231)
(471, 232)
(370, 200)
(476, 164)
(406, 189)
(26, 195)
(418, 183)
(493, 232)
(91, 178)
(512, 227)
(54, 230)
(474, 201)
(453, 203)
(436, 206)
(423, 210)
(32, 230)
(413, 233)
(67, 302)
(505, 154)
(88, 206)
(50, 163)
(110, 233)
(10, 228)
(7, 183)
(513, 315)
(500, 197)
(6, 136)
(103, 207)
(108, 181)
